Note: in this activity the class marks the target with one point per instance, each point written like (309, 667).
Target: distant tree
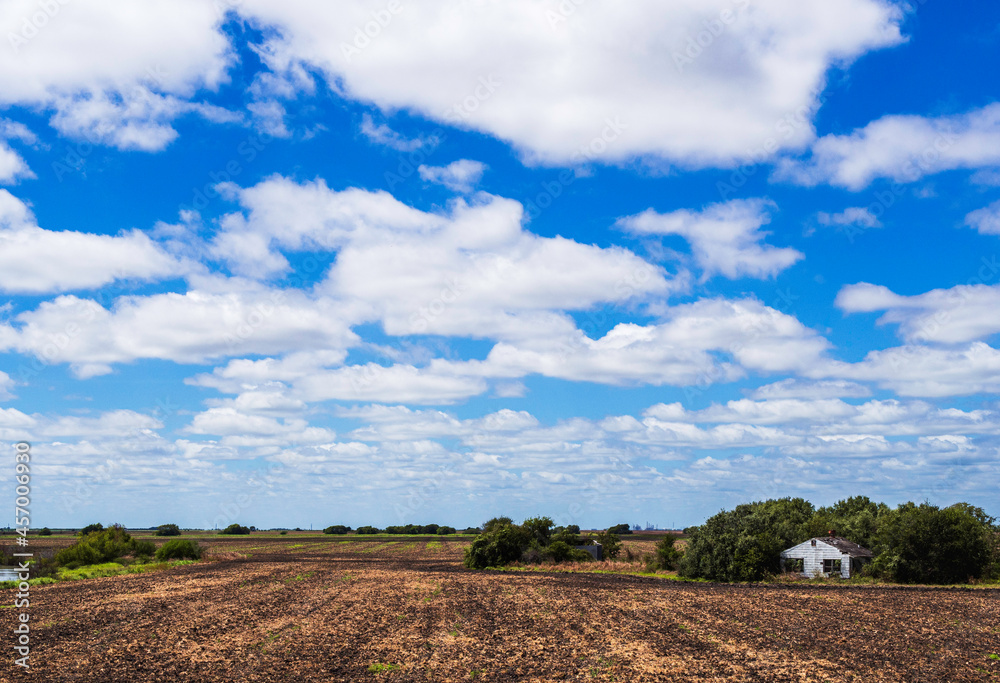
(620, 529)
(104, 545)
(499, 546)
(496, 523)
(168, 530)
(45, 531)
(336, 529)
(368, 530)
(539, 529)
(445, 530)
(90, 528)
(471, 530)
(235, 530)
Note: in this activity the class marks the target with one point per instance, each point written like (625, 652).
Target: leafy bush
(470, 530)
(559, 551)
(179, 549)
(99, 547)
(283, 532)
(497, 547)
(927, 544)
(235, 530)
(90, 528)
(445, 530)
(143, 549)
(367, 530)
(610, 543)
(45, 531)
(745, 544)
(336, 529)
(665, 555)
(168, 530)
(621, 529)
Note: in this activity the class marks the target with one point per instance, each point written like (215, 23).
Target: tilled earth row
(403, 611)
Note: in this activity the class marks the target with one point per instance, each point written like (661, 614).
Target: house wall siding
(812, 558)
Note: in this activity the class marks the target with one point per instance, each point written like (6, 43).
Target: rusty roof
(845, 546)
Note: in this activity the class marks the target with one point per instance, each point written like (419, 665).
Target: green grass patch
(379, 668)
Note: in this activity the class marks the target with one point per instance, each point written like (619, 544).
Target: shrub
(367, 530)
(500, 546)
(621, 529)
(666, 555)
(470, 530)
(90, 528)
(336, 529)
(99, 547)
(610, 543)
(235, 530)
(143, 549)
(45, 531)
(445, 530)
(926, 544)
(168, 530)
(283, 532)
(179, 549)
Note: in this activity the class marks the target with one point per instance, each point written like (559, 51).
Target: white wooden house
(829, 556)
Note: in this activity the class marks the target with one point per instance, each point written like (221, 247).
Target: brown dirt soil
(314, 608)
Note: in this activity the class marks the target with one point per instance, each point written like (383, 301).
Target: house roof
(845, 546)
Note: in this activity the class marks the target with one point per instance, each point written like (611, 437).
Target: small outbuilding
(825, 556)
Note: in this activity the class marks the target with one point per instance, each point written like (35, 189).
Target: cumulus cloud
(804, 389)
(950, 316)
(927, 371)
(985, 220)
(35, 260)
(900, 148)
(470, 271)
(459, 176)
(185, 328)
(725, 238)
(114, 77)
(603, 84)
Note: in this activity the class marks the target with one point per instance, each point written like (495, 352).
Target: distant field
(316, 608)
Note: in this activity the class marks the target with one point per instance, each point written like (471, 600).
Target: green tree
(926, 544)
(168, 530)
(235, 530)
(338, 529)
(745, 544)
(611, 545)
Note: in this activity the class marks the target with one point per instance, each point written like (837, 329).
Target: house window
(831, 566)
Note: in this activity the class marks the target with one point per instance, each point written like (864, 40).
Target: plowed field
(322, 609)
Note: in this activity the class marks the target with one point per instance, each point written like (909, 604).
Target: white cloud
(34, 260)
(12, 166)
(901, 148)
(951, 316)
(112, 76)
(381, 134)
(473, 271)
(112, 424)
(184, 328)
(725, 238)
(450, 61)
(853, 216)
(6, 386)
(459, 176)
(985, 220)
(925, 371)
(804, 389)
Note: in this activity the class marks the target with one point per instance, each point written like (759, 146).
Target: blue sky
(384, 262)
